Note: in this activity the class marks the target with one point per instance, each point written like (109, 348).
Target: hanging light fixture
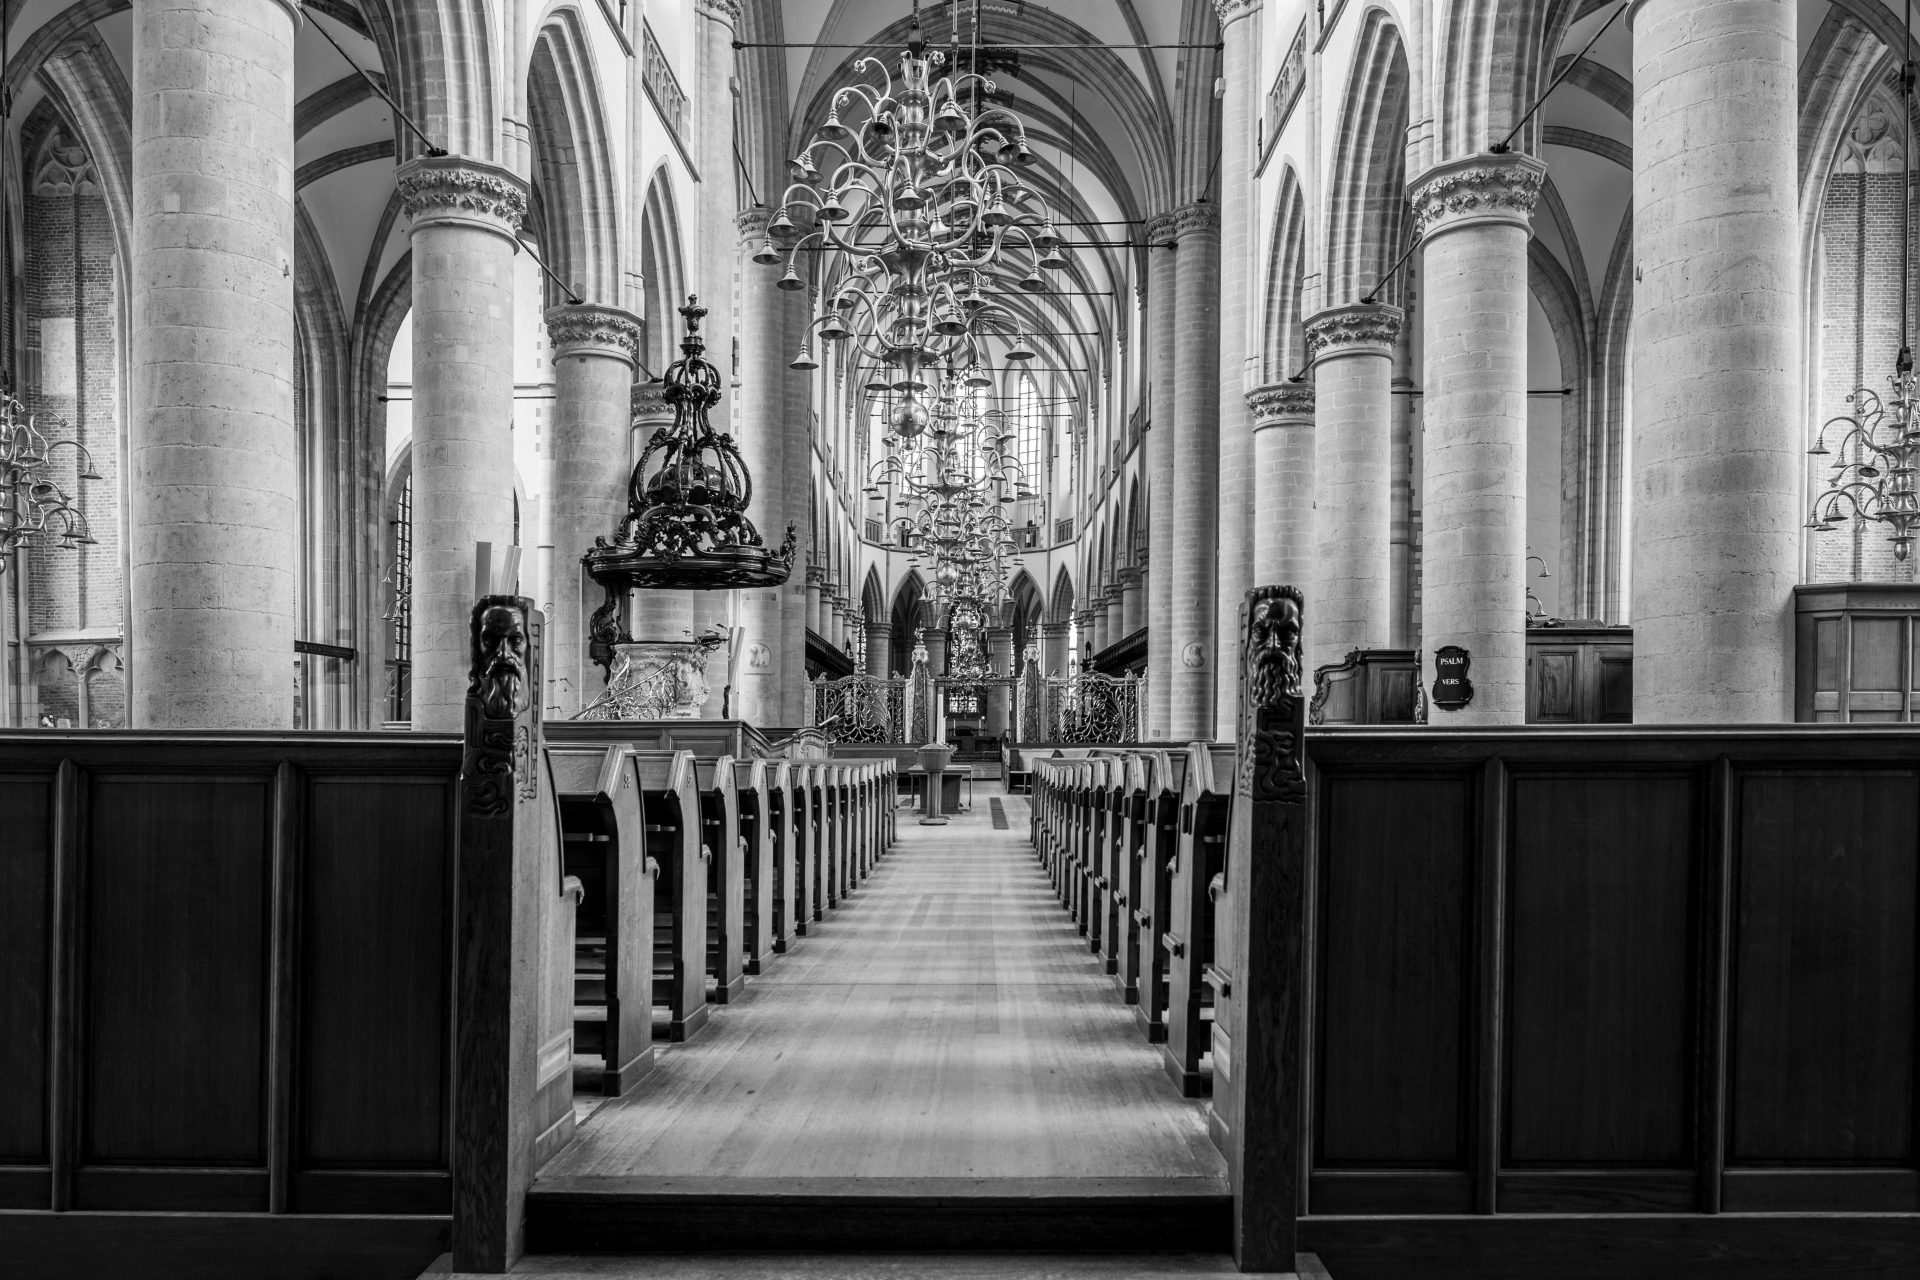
(1876, 447)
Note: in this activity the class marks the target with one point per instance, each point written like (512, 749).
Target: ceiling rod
(875, 44)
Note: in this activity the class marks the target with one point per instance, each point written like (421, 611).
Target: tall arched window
(1031, 439)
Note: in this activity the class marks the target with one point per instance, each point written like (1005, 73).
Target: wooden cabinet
(1580, 674)
(1855, 661)
(1372, 686)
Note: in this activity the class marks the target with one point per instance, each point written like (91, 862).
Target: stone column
(879, 649)
(1471, 219)
(595, 351)
(1404, 629)
(1133, 595)
(214, 507)
(999, 648)
(815, 576)
(1283, 477)
(656, 615)
(1239, 243)
(1716, 434)
(936, 641)
(1352, 350)
(1196, 472)
(1162, 283)
(1098, 629)
(761, 411)
(464, 217)
(1054, 637)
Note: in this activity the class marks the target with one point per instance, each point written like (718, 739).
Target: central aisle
(945, 1022)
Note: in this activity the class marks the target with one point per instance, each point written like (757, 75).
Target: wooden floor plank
(945, 1022)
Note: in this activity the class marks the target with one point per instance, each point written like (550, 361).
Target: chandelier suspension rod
(1905, 360)
(1501, 147)
(1015, 48)
(385, 97)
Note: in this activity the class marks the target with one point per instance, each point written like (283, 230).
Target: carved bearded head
(499, 672)
(1274, 627)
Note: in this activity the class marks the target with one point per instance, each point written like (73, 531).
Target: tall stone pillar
(1055, 637)
(1471, 218)
(1352, 348)
(213, 518)
(1404, 630)
(465, 215)
(764, 430)
(1196, 471)
(815, 576)
(595, 351)
(1133, 594)
(654, 614)
(1239, 243)
(936, 642)
(1716, 432)
(1098, 625)
(999, 696)
(879, 649)
(1283, 477)
(1162, 285)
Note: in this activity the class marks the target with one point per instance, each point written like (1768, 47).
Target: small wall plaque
(1451, 688)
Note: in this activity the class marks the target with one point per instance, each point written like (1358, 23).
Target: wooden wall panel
(176, 878)
(374, 1042)
(1823, 971)
(1600, 958)
(26, 909)
(1395, 856)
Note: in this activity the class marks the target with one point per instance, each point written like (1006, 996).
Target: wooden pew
(1159, 852)
(726, 870)
(670, 791)
(1129, 801)
(805, 793)
(781, 834)
(754, 785)
(604, 824)
(1205, 798)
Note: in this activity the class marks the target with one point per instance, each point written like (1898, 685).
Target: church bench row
(1654, 989)
(712, 865)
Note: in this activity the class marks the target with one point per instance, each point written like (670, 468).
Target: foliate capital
(1161, 229)
(1477, 190)
(753, 223)
(1200, 217)
(1281, 403)
(1369, 328)
(455, 190)
(589, 329)
(727, 11)
(1228, 10)
(649, 404)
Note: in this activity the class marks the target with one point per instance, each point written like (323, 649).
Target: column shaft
(1283, 477)
(465, 214)
(1162, 287)
(763, 447)
(1353, 406)
(1239, 108)
(1471, 216)
(595, 350)
(1196, 472)
(999, 696)
(1054, 640)
(879, 649)
(213, 518)
(1716, 448)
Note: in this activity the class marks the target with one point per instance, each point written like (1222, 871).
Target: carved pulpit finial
(503, 715)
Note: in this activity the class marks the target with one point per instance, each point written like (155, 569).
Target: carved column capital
(1476, 191)
(1128, 576)
(753, 223)
(1357, 330)
(457, 191)
(1281, 404)
(1202, 217)
(728, 11)
(590, 329)
(649, 404)
(1160, 229)
(1229, 10)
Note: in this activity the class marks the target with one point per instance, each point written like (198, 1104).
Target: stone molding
(1361, 329)
(456, 191)
(1281, 404)
(649, 402)
(1160, 229)
(1228, 10)
(1480, 190)
(1128, 576)
(1055, 629)
(590, 329)
(753, 223)
(728, 11)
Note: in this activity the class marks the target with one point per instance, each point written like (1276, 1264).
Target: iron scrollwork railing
(859, 709)
(647, 689)
(1093, 709)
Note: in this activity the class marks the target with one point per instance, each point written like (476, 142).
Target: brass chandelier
(34, 509)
